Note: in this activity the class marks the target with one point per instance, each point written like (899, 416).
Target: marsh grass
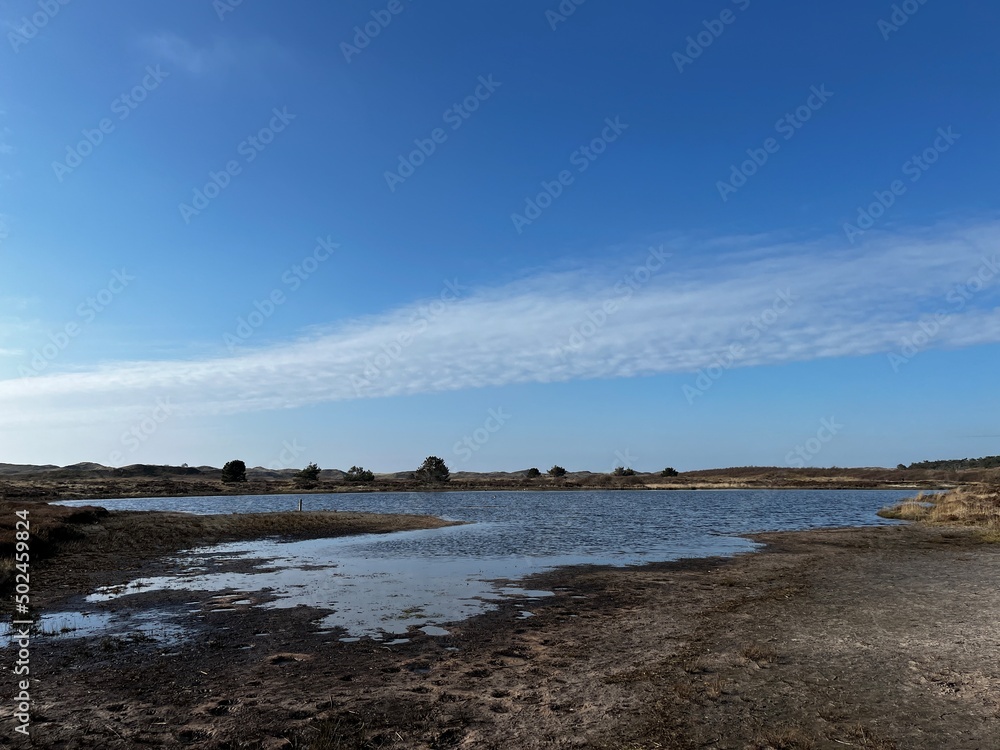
(977, 507)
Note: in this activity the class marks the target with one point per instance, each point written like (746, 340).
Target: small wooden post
(300, 505)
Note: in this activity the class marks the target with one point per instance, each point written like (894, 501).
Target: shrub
(670, 471)
(433, 469)
(308, 476)
(621, 471)
(533, 473)
(234, 471)
(359, 474)
(557, 471)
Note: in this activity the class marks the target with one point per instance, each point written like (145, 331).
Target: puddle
(367, 596)
(434, 630)
(146, 626)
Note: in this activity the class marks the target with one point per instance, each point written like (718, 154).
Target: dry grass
(50, 526)
(977, 507)
(759, 654)
(695, 665)
(783, 739)
(715, 688)
(859, 736)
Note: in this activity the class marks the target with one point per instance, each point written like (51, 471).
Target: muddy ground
(869, 638)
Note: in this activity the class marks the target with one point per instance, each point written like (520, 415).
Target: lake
(383, 586)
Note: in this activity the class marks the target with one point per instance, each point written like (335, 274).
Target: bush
(359, 474)
(621, 471)
(234, 471)
(433, 469)
(670, 471)
(308, 476)
(533, 473)
(557, 471)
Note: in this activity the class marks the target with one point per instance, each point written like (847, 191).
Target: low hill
(987, 462)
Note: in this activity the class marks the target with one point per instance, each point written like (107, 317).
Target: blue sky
(687, 234)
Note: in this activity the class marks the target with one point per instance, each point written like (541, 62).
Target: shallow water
(139, 626)
(385, 586)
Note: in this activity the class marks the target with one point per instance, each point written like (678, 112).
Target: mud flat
(870, 638)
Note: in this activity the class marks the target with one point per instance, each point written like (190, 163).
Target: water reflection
(378, 586)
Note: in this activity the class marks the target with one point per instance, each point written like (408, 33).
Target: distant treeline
(987, 462)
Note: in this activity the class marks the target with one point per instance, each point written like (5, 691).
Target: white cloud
(214, 59)
(849, 303)
(196, 60)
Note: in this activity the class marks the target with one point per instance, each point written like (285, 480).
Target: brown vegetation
(101, 484)
(975, 506)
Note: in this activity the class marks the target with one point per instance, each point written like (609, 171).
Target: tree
(433, 469)
(533, 473)
(621, 471)
(308, 476)
(234, 471)
(901, 467)
(359, 474)
(557, 471)
(670, 471)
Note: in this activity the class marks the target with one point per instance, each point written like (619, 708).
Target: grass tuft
(783, 739)
(975, 507)
(759, 654)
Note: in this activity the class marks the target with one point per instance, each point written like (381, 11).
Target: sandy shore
(871, 638)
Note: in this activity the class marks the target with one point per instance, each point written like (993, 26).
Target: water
(138, 626)
(392, 585)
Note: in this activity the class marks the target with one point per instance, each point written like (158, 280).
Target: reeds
(973, 506)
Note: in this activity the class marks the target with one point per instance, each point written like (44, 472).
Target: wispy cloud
(850, 302)
(6, 149)
(212, 59)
